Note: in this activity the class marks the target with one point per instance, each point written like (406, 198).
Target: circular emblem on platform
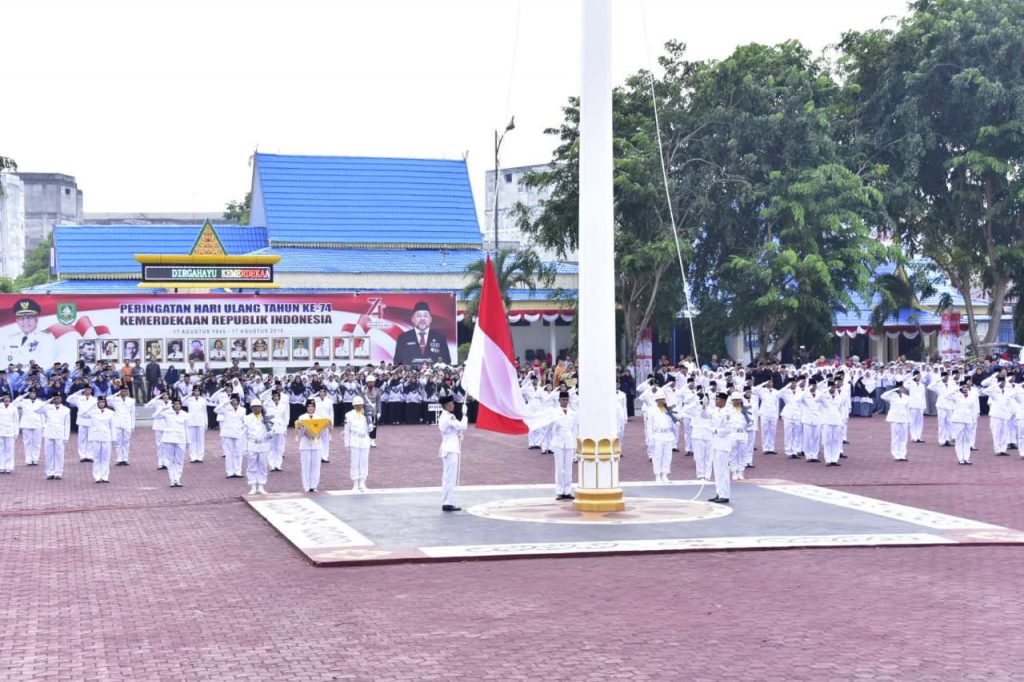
(638, 510)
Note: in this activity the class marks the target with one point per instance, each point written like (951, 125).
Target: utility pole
(497, 171)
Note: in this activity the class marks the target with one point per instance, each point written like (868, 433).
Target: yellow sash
(313, 426)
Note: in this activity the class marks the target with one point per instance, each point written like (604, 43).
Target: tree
(781, 225)
(239, 211)
(513, 269)
(37, 266)
(647, 282)
(902, 288)
(940, 102)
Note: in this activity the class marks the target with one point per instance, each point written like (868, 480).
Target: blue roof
(405, 261)
(91, 286)
(360, 200)
(102, 249)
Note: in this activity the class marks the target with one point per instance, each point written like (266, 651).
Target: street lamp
(497, 171)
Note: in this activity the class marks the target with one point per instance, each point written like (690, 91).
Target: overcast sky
(157, 105)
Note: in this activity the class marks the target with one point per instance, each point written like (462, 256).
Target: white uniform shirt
(450, 428)
(357, 434)
(9, 419)
(57, 422)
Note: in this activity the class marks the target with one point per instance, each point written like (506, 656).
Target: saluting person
(450, 451)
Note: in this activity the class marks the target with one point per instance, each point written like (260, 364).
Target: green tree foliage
(239, 211)
(37, 266)
(514, 269)
(781, 233)
(940, 102)
(647, 282)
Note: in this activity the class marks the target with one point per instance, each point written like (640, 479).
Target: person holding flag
(450, 451)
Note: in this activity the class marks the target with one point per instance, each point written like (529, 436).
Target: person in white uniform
(84, 401)
(701, 433)
(833, 403)
(231, 417)
(175, 440)
(279, 412)
(664, 436)
(564, 431)
(325, 410)
(31, 425)
(56, 434)
(101, 438)
(357, 440)
(257, 448)
(160, 405)
(450, 451)
(961, 414)
(198, 422)
(309, 450)
(768, 412)
(1000, 411)
(899, 419)
(9, 428)
(124, 424)
(916, 392)
(792, 420)
(724, 422)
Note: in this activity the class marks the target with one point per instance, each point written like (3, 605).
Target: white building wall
(511, 191)
(12, 226)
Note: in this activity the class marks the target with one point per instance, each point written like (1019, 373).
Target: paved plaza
(136, 580)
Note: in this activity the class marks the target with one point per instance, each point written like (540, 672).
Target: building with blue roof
(338, 224)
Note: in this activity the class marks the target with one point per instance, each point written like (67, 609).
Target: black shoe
(56, 478)
(162, 467)
(842, 456)
(947, 445)
(97, 481)
(793, 456)
(801, 454)
(974, 449)
(721, 500)
(716, 498)
(675, 449)
(561, 497)
(50, 478)
(968, 463)
(570, 497)
(1002, 454)
(450, 507)
(750, 466)
(33, 464)
(1011, 446)
(846, 442)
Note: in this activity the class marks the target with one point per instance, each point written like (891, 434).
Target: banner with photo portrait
(216, 329)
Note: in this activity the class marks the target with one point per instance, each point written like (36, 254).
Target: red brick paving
(137, 581)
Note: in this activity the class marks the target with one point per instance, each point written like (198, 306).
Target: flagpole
(598, 447)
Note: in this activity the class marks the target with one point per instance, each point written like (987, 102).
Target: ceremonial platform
(398, 525)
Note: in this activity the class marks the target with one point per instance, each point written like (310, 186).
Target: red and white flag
(490, 374)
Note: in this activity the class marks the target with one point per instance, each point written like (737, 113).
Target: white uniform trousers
(32, 439)
(687, 435)
(359, 463)
(675, 434)
(898, 445)
(563, 470)
(1019, 440)
(449, 477)
(309, 463)
(702, 458)
(533, 438)
(175, 456)
(916, 423)
(769, 426)
(196, 443)
(748, 449)
(812, 441)
(233, 449)
(973, 429)
(122, 443)
(832, 441)
(961, 435)
(736, 457)
(661, 461)
(258, 466)
(1000, 433)
(84, 450)
(7, 452)
(277, 451)
(720, 470)
(844, 427)
(325, 445)
(53, 452)
(101, 460)
(161, 455)
(944, 424)
(793, 436)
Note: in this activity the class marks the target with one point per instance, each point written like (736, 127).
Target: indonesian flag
(490, 374)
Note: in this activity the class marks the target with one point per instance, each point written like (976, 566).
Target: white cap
(658, 394)
(736, 395)
(256, 403)
(357, 401)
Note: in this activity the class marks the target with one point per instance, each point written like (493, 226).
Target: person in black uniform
(421, 345)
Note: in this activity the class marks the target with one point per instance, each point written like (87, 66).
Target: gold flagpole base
(605, 500)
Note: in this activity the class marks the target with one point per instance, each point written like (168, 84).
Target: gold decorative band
(598, 448)
(603, 500)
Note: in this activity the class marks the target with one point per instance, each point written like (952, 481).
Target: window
(508, 177)
(67, 191)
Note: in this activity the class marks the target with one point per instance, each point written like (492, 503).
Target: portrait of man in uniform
(197, 350)
(24, 341)
(421, 344)
(260, 349)
(281, 348)
(108, 349)
(342, 347)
